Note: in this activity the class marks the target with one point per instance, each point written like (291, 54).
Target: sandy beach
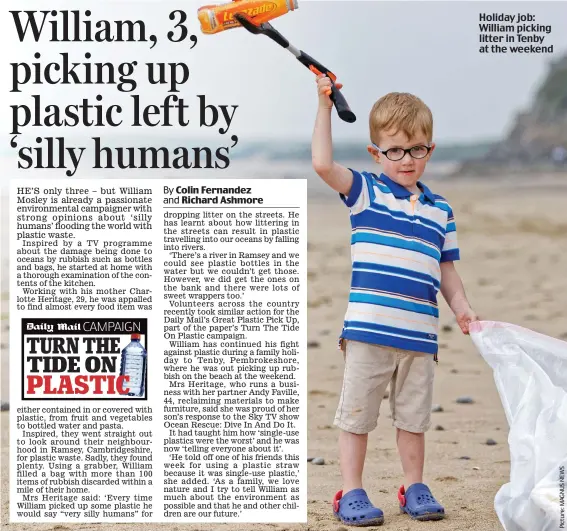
(512, 238)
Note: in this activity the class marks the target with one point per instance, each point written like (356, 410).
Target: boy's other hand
(465, 318)
(324, 90)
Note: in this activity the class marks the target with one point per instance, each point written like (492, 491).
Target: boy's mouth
(407, 172)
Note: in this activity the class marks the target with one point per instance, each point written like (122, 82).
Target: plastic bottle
(215, 18)
(133, 365)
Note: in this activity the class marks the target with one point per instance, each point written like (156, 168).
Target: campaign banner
(78, 359)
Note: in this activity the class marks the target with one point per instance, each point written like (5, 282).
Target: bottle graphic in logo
(133, 365)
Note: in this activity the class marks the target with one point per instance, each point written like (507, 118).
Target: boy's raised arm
(336, 176)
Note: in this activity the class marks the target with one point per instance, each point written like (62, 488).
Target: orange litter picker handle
(317, 72)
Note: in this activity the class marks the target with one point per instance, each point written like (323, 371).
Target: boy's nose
(406, 162)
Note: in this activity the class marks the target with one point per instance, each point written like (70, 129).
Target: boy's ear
(431, 150)
(374, 153)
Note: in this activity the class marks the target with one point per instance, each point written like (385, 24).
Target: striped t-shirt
(398, 241)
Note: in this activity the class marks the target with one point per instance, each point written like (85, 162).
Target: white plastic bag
(530, 371)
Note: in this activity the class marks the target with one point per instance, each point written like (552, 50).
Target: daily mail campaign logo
(84, 359)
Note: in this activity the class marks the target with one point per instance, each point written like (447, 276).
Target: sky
(430, 49)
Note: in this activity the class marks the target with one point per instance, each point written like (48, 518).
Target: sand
(511, 236)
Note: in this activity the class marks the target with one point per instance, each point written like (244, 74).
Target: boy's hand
(465, 318)
(324, 90)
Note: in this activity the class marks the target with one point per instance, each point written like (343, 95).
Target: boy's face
(408, 170)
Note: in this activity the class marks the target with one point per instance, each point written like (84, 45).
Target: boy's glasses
(397, 153)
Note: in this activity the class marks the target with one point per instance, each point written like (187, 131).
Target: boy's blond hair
(400, 111)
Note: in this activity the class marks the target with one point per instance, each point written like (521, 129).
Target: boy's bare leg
(411, 447)
(352, 453)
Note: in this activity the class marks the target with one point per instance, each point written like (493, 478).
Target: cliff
(535, 132)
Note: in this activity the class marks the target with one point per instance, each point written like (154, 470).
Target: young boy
(403, 247)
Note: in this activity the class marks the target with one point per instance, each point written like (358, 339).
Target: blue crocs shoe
(419, 503)
(354, 508)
